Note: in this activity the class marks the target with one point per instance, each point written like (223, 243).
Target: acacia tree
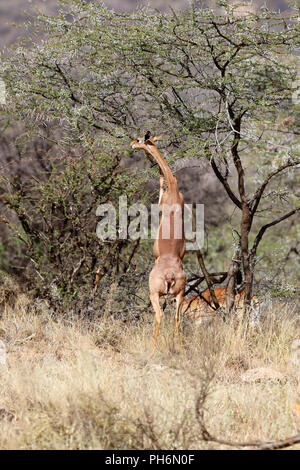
(222, 86)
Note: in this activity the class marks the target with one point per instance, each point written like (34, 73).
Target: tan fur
(201, 312)
(167, 275)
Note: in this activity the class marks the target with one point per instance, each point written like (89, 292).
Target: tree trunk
(232, 280)
(247, 268)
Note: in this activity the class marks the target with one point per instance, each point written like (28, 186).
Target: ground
(78, 384)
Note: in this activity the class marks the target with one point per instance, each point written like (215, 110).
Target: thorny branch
(265, 227)
(208, 437)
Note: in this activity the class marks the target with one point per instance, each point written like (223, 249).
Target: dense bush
(222, 86)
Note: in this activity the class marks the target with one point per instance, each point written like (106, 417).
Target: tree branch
(208, 280)
(199, 279)
(236, 125)
(208, 437)
(224, 182)
(265, 227)
(258, 194)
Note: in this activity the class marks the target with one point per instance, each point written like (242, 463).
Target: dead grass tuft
(79, 385)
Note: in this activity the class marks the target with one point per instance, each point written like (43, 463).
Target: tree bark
(232, 280)
(247, 267)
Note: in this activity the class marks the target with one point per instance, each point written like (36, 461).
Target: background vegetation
(222, 81)
(222, 90)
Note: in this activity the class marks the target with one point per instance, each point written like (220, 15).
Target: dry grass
(74, 385)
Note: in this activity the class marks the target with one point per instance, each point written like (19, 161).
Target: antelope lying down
(199, 308)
